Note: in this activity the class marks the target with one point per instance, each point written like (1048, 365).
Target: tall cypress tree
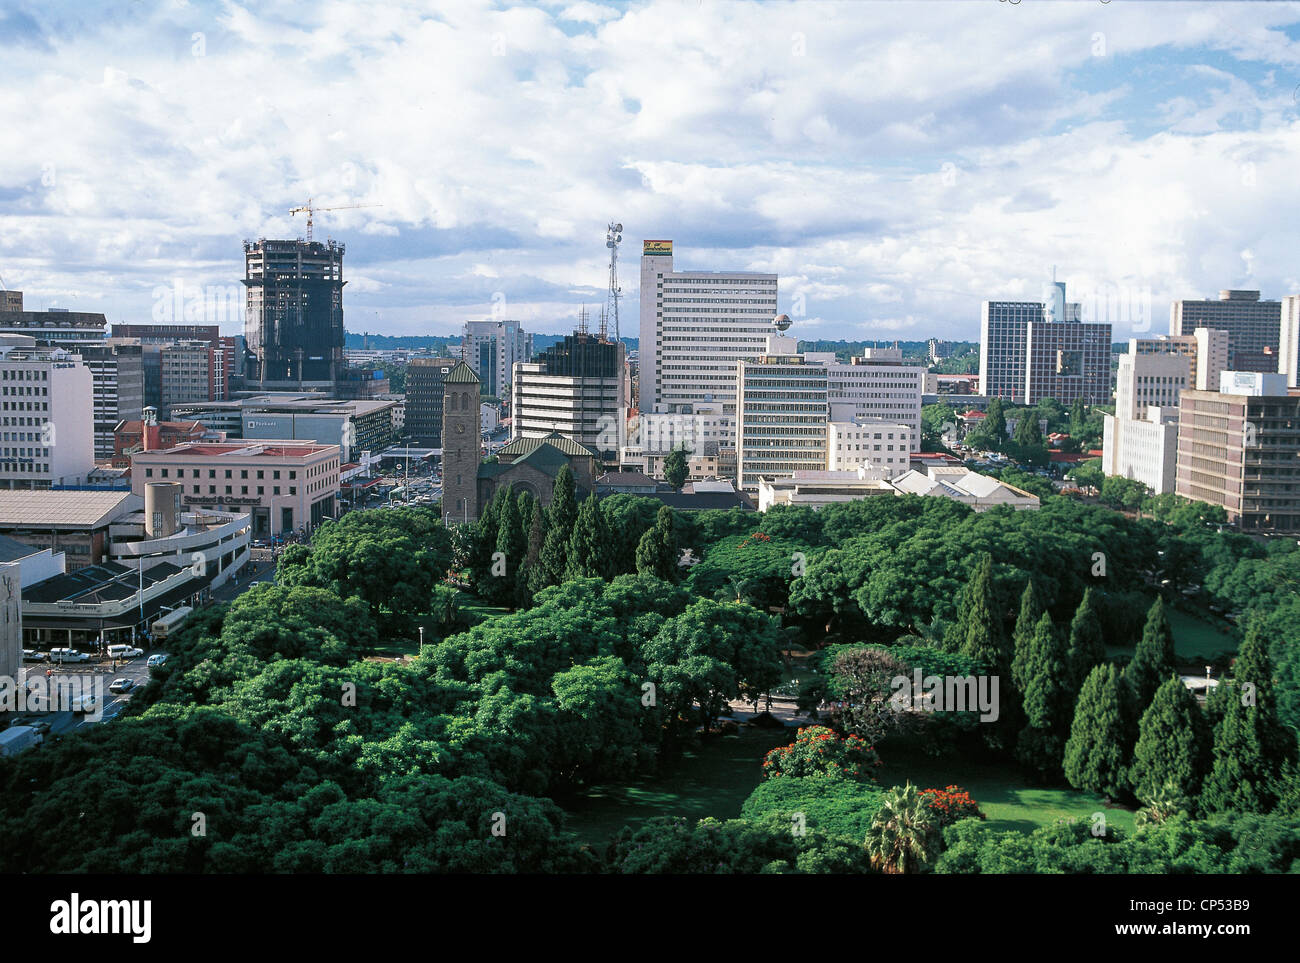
(588, 550)
(511, 544)
(979, 631)
(1153, 660)
(1251, 745)
(1174, 743)
(656, 553)
(1047, 703)
(526, 505)
(1095, 752)
(562, 514)
(534, 572)
(1087, 648)
(1032, 607)
(486, 530)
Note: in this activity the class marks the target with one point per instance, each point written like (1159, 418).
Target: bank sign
(657, 248)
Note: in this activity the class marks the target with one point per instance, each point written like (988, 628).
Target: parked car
(124, 651)
(31, 655)
(121, 685)
(156, 660)
(68, 655)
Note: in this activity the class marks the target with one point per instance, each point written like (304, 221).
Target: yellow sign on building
(657, 249)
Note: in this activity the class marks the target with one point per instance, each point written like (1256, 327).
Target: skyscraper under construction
(294, 318)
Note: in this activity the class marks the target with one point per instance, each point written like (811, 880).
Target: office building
(55, 328)
(492, 349)
(423, 419)
(1253, 326)
(117, 388)
(1288, 358)
(284, 485)
(355, 426)
(1239, 448)
(46, 416)
(575, 387)
(696, 326)
(1031, 350)
(781, 414)
(875, 387)
(130, 437)
(873, 444)
(293, 321)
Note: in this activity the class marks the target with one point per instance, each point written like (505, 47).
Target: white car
(156, 660)
(121, 685)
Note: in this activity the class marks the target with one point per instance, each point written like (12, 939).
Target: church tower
(460, 445)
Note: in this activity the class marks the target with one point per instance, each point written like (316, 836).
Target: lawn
(712, 780)
(1193, 637)
(1008, 799)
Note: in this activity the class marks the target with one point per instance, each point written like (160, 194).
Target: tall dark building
(575, 388)
(424, 393)
(294, 317)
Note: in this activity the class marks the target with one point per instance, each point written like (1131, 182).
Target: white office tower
(695, 327)
(782, 414)
(492, 349)
(877, 387)
(46, 416)
(1288, 355)
(1140, 441)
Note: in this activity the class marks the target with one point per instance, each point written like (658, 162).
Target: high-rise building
(1031, 350)
(117, 378)
(695, 328)
(1239, 447)
(574, 387)
(782, 414)
(293, 322)
(56, 328)
(46, 416)
(1140, 441)
(492, 349)
(1288, 356)
(1253, 326)
(190, 372)
(424, 393)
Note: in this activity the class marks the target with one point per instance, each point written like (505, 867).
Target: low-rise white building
(818, 488)
(873, 444)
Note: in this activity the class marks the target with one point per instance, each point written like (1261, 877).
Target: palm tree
(1164, 803)
(904, 836)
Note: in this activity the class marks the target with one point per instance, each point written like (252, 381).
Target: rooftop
(69, 509)
(247, 449)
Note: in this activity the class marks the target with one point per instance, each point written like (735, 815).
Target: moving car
(124, 651)
(121, 685)
(157, 660)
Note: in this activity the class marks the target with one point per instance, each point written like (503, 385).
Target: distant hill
(437, 342)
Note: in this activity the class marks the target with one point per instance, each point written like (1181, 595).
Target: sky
(894, 163)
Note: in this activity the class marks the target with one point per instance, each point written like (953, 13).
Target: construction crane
(310, 209)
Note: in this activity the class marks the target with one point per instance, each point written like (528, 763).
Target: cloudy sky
(894, 163)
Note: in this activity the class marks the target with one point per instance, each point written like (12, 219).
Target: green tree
(1047, 703)
(979, 629)
(1027, 433)
(1174, 743)
(656, 553)
(589, 545)
(561, 517)
(1094, 754)
(1032, 607)
(534, 574)
(1087, 649)
(1251, 746)
(676, 467)
(904, 836)
(511, 548)
(1153, 660)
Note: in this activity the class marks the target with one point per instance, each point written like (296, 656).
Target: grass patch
(1008, 799)
(1194, 637)
(713, 779)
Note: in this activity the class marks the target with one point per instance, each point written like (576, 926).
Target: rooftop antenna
(604, 326)
(613, 237)
(582, 320)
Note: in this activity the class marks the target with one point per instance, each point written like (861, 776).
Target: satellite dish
(618, 228)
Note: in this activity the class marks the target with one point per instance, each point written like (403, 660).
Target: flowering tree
(818, 751)
(951, 804)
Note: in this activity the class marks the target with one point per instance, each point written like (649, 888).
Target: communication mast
(613, 237)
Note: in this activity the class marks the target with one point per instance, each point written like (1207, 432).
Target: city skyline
(1133, 152)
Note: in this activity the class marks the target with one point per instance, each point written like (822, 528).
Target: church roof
(461, 374)
(526, 446)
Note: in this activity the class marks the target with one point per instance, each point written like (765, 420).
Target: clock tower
(460, 445)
